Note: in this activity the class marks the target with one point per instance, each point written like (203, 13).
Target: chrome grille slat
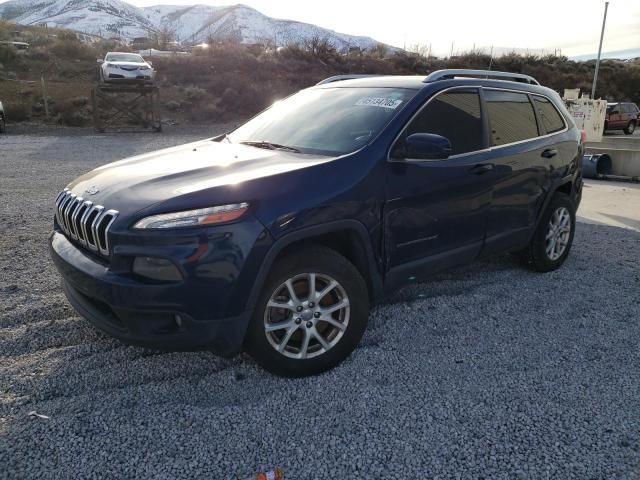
(66, 211)
(71, 214)
(84, 222)
(77, 215)
(94, 227)
(61, 210)
(83, 219)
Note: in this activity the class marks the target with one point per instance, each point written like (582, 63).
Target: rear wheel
(311, 315)
(630, 128)
(553, 238)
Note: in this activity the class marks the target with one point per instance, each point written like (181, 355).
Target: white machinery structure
(588, 114)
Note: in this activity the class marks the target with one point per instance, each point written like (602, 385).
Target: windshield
(324, 121)
(124, 57)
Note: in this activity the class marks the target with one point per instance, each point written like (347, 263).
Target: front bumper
(205, 310)
(117, 74)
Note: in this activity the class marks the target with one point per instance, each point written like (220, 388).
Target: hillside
(231, 81)
(196, 23)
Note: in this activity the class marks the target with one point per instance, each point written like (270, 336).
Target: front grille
(84, 222)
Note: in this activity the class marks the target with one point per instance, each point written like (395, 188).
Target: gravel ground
(488, 371)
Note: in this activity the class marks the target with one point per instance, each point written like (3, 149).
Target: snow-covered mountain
(100, 17)
(190, 23)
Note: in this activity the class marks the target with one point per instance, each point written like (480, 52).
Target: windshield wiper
(271, 146)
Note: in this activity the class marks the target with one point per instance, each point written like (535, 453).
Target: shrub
(208, 113)
(194, 93)
(17, 112)
(7, 55)
(172, 106)
(74, 118)
(72, 49)
(80, 101)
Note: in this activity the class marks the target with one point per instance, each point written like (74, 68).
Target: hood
(141, 181)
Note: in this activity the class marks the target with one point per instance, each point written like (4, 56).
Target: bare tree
(164, 36)
(319, 47)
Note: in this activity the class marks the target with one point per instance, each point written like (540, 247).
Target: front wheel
(553, 238)
(630, 128)
(311, 315)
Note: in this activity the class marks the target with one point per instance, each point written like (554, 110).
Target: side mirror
(426, 146)
(100, 61)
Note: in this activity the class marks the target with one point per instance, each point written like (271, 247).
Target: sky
(570, 25)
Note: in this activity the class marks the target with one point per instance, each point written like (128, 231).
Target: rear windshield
(124, 57)
(326, 121)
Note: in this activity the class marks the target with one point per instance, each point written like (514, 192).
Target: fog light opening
(159, 269)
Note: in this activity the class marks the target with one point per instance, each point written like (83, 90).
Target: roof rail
(448, 74)
(339, 78)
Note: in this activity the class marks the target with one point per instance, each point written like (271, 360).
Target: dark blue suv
(277, 237)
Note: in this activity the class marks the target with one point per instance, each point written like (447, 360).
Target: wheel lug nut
(299, 308)
(310, 304)
(317, 314)
(298, 321)
(309, 324)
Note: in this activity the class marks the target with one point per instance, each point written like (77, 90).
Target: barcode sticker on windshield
(379, 102)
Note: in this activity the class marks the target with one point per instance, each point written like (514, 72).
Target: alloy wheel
(558, 233)
(307, 315)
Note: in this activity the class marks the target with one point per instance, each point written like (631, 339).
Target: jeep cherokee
(277, 238)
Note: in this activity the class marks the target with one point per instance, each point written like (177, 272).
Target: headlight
(145, 67)
(191, 218)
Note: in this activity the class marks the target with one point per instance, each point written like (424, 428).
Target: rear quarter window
(511, 117)
(548, 114)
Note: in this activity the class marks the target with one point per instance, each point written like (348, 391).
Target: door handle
(550, 153)
(481, 168)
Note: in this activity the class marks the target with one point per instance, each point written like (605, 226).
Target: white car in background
(123, 67)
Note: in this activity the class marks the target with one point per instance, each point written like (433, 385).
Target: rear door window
(548, 114)
(511, 117)
(455, 115)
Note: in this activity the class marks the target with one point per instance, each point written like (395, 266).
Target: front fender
(309, 233)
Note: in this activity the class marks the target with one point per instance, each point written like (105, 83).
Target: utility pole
(595, 75)
(491, 60)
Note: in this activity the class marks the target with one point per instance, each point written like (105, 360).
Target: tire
(3, 124)
(540, 254)
(630, 128)
(301, 321)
